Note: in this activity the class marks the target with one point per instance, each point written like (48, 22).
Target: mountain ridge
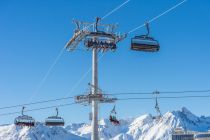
(144, 127)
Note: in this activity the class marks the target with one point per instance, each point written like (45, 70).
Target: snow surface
(40, 132)
(140, 128)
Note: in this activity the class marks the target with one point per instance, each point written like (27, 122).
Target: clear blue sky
(32, 33)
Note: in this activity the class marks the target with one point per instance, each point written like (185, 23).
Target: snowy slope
(40, 132)
(140, 128)
(147, 128)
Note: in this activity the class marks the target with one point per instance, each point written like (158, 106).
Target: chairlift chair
(24, 120)
(145, 43)
(54, 120)
(157, 108)
(112, 118)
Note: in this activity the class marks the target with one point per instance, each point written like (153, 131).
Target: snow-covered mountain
(140, 128)
(40, 132)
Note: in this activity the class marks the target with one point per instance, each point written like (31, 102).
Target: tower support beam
(94, 91)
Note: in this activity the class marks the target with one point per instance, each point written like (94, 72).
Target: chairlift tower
(96, 37)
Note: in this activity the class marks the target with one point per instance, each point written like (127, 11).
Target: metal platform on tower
(86, 99)
(95, 35)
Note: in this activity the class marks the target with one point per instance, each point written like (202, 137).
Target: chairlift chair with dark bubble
(112, 118)
(54, 120)
(24, 120)
(145, 43)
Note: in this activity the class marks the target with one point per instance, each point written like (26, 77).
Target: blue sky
(32, 33)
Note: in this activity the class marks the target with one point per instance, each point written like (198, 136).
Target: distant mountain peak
(186, 111)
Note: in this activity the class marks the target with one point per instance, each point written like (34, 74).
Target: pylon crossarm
(96, 97)
(76, 39)
(81, 98)
(103, 39)
(87, 99)
(108, 100)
